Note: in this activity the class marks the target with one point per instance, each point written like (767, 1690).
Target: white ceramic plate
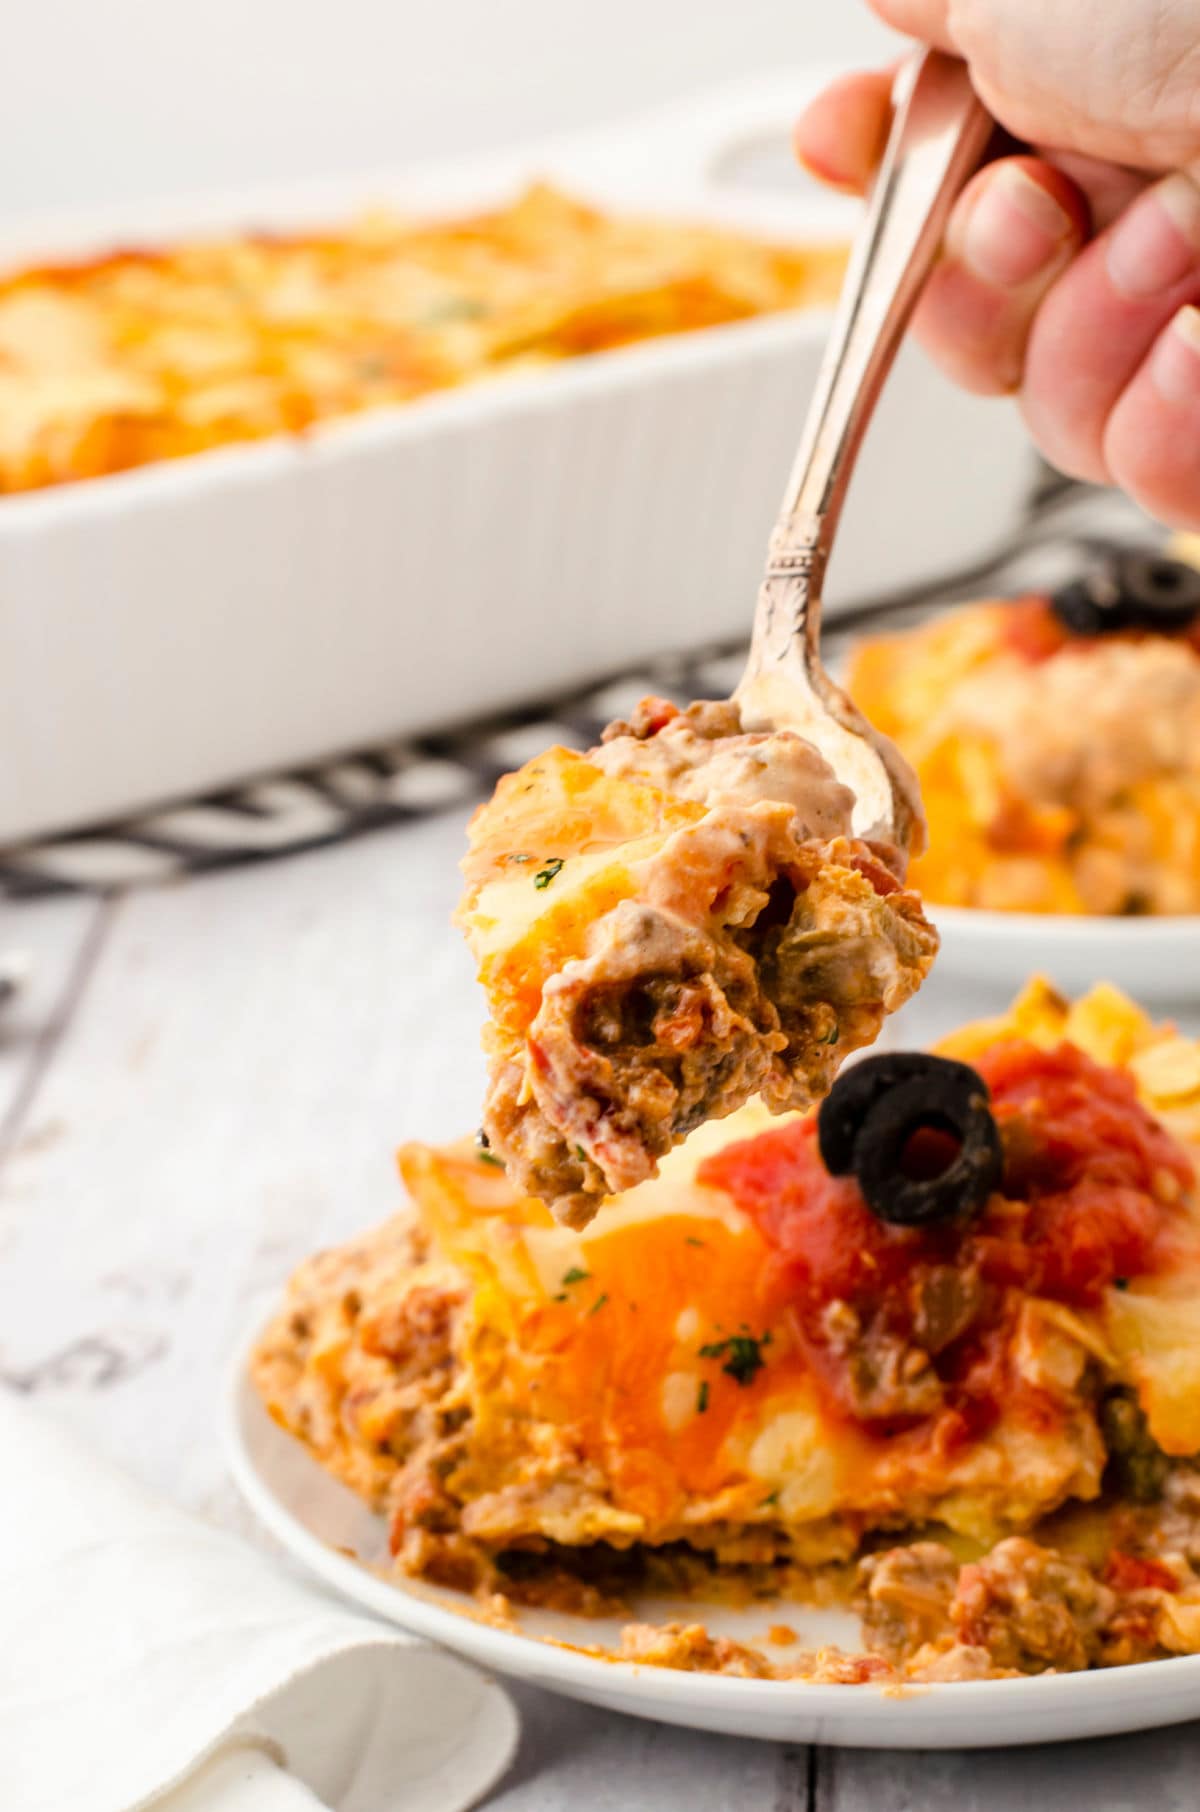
(1155, 960)
(323, 1525)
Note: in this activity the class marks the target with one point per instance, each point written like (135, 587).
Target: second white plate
(331, 1532)
(1154, 960)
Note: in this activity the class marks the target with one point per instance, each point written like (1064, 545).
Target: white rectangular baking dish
(185, 626)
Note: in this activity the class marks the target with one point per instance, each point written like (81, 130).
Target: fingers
(1152, 439)
(924, 19)
(1109, 188)
(1101, 339)
(1015, 229)
(841, 135)
(1097, 325)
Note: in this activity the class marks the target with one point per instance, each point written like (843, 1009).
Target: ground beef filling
(666, 1025)
(663, 1029)
(762, 945)
(1024, 1608)
(364, 1365)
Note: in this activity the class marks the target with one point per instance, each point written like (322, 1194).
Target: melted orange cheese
(146, 355)
(591, 1342)
(1059, 780)
(598, 1336)
(601, 1331)
(557, 847)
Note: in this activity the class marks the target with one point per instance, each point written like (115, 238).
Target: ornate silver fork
(938, 136)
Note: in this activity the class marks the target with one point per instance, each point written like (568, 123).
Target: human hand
(1070, 276)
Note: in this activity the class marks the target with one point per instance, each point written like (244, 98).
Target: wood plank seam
(794, 1779)
(50, 1037)
(823, 1786)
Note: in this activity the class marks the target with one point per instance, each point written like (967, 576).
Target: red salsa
(1089, 1193)
(1032, 630)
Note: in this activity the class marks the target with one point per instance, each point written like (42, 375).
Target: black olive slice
(873, 1112)
(859, 1086)
(1133, 590)
(1090, 606)
(1158, 593)
(959, 1190)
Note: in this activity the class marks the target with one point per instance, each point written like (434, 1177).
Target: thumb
(928, 20)
(840, 136)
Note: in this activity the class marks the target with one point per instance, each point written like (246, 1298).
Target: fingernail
(1156, 241)
(1175, 361)
(1015, 229)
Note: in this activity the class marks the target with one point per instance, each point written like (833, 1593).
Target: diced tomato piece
(1132, 1573)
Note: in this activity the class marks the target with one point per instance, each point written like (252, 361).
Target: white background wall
(123, 99)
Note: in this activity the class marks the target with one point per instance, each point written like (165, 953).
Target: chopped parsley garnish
(581, 1153)
(831, 1037)
(599, 1303)
(742, 1354)
(520, 858)
(689, 1241)
(484, 1152)
(544, 876)
(575, 1275)
(561, 1297)
(702, 1397)
(767, 1501)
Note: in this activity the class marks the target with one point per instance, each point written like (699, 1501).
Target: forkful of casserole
(710, 905)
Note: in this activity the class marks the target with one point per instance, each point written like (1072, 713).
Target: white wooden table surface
(204, 1082)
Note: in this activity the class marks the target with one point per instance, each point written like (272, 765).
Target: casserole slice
(1060, 769)
(665, 927)
(735, 1365)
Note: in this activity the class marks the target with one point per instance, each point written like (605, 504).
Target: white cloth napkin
(148, 1659)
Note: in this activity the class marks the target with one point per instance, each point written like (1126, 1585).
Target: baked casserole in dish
(160, 605)
(145, 355)
(960, 1389)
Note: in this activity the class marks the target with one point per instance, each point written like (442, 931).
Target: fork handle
(938, 137)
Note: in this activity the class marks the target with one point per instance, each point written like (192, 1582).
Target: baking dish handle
(690, 143)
